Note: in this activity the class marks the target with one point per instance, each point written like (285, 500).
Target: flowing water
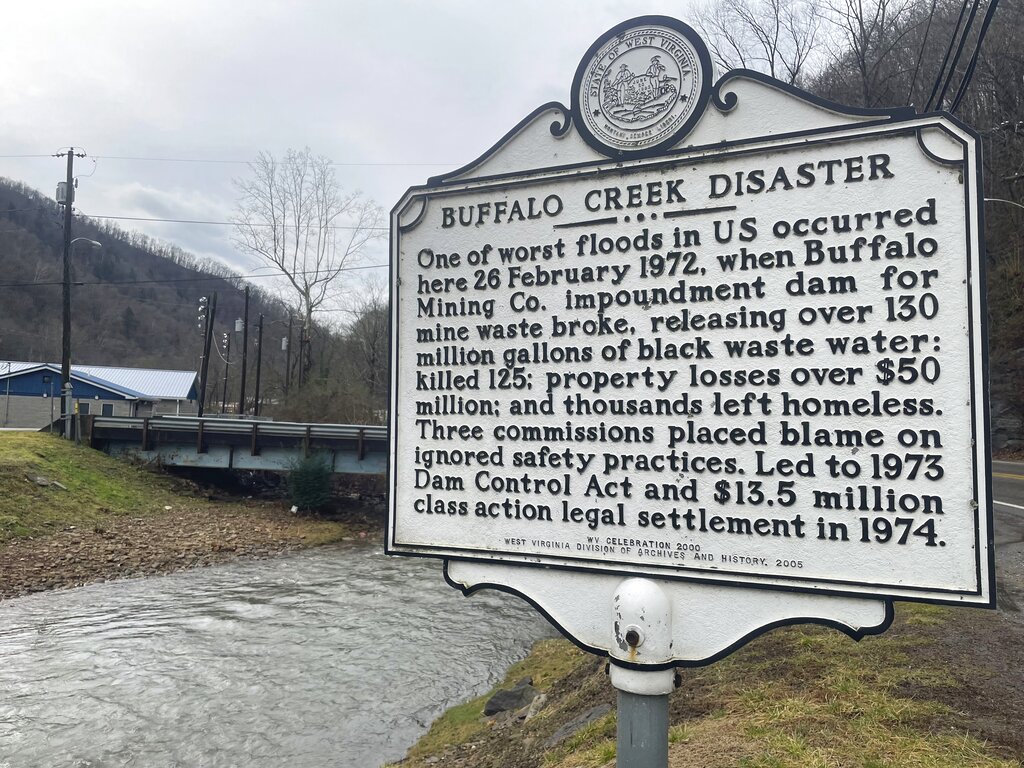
(337, 656)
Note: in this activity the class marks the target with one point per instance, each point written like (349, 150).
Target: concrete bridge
(217, 443)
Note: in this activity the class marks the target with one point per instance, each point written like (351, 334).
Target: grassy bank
(940, 688)
(47, 483)
(70, 515)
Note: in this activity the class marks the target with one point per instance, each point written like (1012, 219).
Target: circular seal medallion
(641, 87)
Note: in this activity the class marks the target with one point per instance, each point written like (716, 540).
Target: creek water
(337, 656)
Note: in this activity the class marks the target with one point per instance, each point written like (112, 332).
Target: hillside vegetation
(939, 690)
(135, 303)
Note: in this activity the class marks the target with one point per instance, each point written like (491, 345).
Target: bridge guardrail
(248, 427)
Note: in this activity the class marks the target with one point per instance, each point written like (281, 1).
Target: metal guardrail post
(254, 446)
(199, 438)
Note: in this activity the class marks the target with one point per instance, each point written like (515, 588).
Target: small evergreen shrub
(310, 484)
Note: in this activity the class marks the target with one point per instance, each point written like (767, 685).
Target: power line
(959, 50)
(152, 302)
(920, 53)
(969, 72)
(250, 276)
(225, 161)
(945, 59)
(219, 223)
(216, 348)
(249, 162)
(191, 221)
(35, 334)
(157, 302)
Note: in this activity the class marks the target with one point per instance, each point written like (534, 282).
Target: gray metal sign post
(642, 629)
(642, 735)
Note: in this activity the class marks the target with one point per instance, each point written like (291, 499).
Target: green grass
(97, 486)
(549, 661)
(590, 747)
(809, 697)
(799, 697)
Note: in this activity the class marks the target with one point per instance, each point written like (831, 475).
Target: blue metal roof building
(29, 391)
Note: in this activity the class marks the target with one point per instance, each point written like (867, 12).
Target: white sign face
(759, 364)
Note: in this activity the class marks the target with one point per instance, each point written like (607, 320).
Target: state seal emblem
(641, 87)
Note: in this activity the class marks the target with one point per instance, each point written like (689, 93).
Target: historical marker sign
(729, 335)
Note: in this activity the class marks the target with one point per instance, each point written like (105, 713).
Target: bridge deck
(240, 444)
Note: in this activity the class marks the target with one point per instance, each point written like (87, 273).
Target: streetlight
(226, 339)
(1001, 200)
(65, 362)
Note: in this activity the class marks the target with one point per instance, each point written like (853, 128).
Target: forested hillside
(961, 56)
(134, 301)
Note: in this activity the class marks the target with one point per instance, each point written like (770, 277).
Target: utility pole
(259, 365)
(245, 352)
(7, 405)
(65, 361)
(210, 314)
(303, 341)
(288, 358)
(227, 370)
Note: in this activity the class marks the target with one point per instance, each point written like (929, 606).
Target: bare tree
(874, 41)
(369, 339)
(294, 216)
(777, 37)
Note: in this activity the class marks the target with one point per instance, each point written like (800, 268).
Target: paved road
(1008, 484)
(1008, 498)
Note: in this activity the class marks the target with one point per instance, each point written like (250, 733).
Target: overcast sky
(396, 90)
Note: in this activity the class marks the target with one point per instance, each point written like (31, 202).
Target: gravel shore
(181, 537)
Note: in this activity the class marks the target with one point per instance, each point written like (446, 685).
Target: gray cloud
(403, 83)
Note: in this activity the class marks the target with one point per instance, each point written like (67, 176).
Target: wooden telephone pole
(65, 358)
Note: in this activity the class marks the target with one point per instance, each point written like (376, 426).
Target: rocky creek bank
(192, 534)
